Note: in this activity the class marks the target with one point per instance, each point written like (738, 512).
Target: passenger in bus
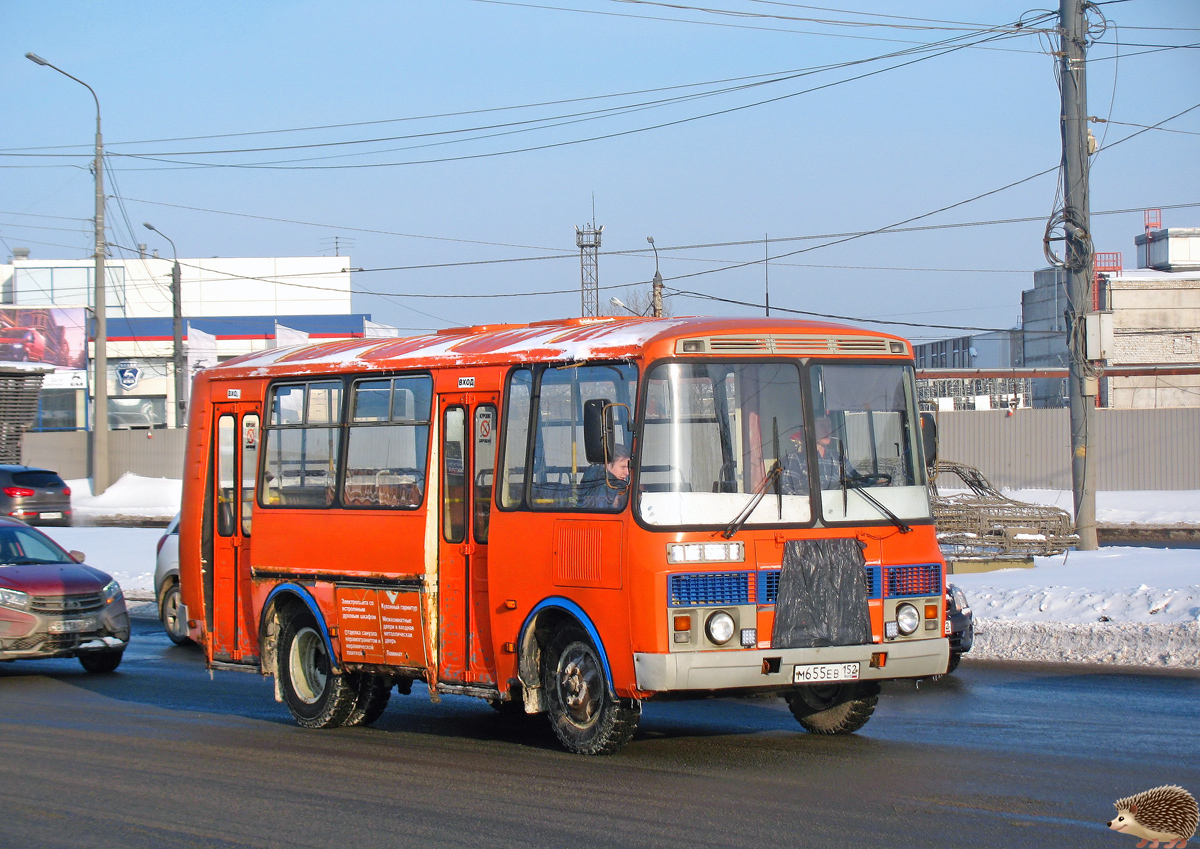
(606, 485)
(830, 460)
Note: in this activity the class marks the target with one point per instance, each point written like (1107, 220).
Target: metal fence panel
(1134, 450)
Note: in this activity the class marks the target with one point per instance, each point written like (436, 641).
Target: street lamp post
(177, 330)
(100, 470)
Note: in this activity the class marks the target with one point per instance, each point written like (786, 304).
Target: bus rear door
(234, 637)
(468, 451)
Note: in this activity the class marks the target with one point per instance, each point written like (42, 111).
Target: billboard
(50, 335)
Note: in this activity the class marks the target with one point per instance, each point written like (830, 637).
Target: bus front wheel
(316, 697)
(833, 708)
(585, 716)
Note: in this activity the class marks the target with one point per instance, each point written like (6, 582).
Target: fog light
(719, 628)
(749, 638)
(908, 619)
(890, 630)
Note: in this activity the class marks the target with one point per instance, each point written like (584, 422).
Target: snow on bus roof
(575, 339)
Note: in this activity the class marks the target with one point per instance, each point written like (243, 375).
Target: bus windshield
(866, 442)
(714, 437)
(720, 437)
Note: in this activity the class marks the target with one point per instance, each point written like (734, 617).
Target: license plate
(49, 515)
(72, 626)
(816, 672)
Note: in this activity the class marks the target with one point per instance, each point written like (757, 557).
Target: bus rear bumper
(741, 669)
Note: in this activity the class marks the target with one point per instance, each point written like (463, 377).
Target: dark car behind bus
(36, 496)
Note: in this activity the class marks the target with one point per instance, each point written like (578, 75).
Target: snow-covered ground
(1117, 605)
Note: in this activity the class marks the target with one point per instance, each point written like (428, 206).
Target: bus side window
(388, 443)
(300, 444)
(516, 438)
(454, 489)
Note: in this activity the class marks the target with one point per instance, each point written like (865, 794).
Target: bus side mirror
(929, 439)
(599, 440)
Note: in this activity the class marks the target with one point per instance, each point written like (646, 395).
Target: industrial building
(1154, 312)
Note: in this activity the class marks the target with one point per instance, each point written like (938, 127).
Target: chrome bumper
(740, 669)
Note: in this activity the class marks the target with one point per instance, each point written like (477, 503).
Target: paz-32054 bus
(568, 517)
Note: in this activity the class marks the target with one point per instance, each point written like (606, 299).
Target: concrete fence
(1136, 449)
(149, 453)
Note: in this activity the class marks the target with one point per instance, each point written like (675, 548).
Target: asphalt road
(161, 755)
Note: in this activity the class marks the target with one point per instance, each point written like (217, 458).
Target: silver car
(166, 584)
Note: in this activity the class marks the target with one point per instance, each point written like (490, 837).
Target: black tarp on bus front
(822, 598)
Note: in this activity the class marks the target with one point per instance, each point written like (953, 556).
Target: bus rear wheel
(316, 697)
(833, 708)
(373, 692)
(586, 717)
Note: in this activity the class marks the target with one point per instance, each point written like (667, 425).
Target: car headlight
(112, 592)
(908, 619)
(14, 599)
(720, 628)
(960, 601)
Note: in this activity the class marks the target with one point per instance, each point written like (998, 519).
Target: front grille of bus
(710, 589)
(900, 581)
(768, 586)
(925, 579)
(69, 604)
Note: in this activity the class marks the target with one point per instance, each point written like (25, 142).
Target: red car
(53, 605)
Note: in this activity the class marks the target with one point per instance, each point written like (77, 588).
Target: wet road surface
(160, 754)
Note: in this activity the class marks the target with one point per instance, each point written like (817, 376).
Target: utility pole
(176, 332)
(1083, 383)
(656, 286)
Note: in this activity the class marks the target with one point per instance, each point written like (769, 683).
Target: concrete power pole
(588, 241)
(1083, 383)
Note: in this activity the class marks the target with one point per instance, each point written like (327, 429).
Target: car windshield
(712, 435)
(11, 333)
(21, 546)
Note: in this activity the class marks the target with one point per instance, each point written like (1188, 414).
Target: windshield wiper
(855, 482)
(759, 491)
(28, 561)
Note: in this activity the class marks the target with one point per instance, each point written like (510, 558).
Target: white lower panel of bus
(743, 669)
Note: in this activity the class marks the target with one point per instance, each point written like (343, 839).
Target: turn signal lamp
(931, 611)
(683, 623)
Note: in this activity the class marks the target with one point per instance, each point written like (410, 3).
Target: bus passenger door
(234, 636)
(468, 452)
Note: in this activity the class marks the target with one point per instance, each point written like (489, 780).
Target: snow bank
(1126, 507)
(131, 495)
(1120, 643)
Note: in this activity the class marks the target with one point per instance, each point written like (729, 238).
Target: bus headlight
(719, 628)
(908, 619)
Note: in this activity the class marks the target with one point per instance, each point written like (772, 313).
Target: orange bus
(568, 517)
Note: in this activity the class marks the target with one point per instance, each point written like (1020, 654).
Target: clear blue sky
(855, 156)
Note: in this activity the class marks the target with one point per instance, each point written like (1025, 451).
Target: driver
(794, 479)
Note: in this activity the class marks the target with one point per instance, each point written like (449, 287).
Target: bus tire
(832, 709)
(316, 697)
(373, 693)
(585, 716)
